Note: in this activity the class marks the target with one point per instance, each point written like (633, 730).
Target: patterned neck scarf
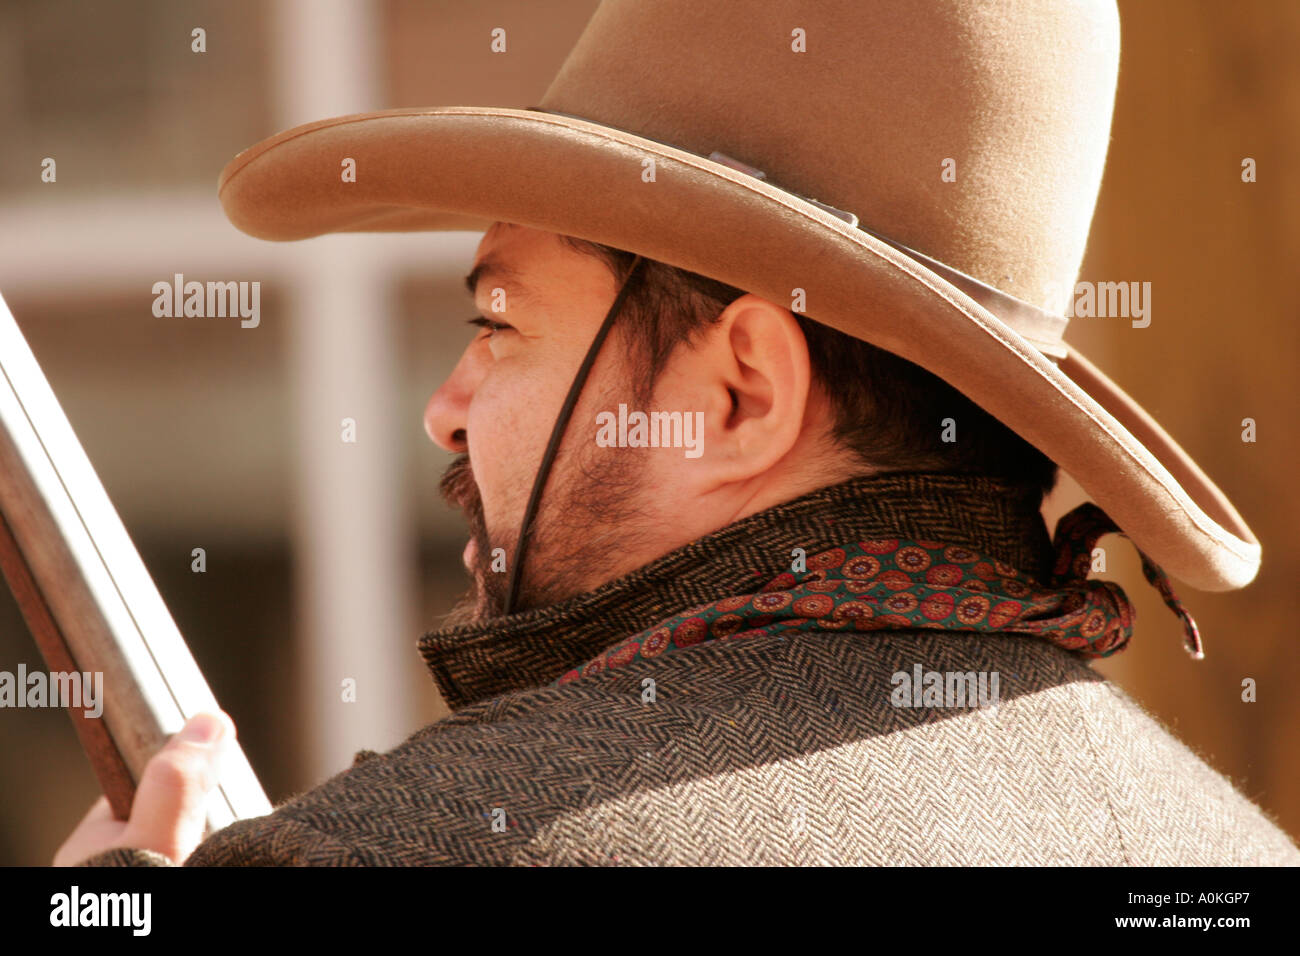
(894, 583)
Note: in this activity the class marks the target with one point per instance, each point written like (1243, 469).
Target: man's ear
(754, 367)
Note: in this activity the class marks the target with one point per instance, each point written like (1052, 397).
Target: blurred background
(327, 560)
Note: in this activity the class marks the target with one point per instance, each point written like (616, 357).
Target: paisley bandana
(892, 583)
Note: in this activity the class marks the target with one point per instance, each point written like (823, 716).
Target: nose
(447, 414)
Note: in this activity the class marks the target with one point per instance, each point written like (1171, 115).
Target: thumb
(168, 814)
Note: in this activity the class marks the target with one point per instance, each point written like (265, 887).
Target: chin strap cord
(557, 435)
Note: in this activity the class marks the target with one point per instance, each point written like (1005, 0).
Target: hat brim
(466, 167)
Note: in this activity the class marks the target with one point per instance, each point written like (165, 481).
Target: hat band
(1040, 328)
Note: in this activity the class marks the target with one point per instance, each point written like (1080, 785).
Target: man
(759, 570)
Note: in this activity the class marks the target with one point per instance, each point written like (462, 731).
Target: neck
(471, 662)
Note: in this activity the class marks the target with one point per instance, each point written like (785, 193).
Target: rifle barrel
(88, 598)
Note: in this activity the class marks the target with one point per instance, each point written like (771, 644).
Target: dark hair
(888, 411)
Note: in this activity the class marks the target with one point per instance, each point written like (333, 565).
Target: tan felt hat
(925, 170)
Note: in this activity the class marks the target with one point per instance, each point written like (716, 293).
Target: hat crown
(973, 131)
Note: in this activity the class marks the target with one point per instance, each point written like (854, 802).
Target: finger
(168, 813)
(101, 811)
(98, 830)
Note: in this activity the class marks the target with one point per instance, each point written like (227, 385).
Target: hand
(167, 815)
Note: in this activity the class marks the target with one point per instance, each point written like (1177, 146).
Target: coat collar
(473, 662)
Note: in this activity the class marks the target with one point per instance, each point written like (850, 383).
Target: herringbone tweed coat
(774, 750)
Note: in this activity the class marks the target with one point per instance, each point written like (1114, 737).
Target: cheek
(508, 423)
(668, 472)
(682, 472)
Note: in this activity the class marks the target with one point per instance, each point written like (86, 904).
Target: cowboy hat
(925, 172)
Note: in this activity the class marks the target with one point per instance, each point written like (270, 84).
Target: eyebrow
(506, 276)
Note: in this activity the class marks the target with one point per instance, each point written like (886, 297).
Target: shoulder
(470, 789)
(1170, 805)
(782, 749)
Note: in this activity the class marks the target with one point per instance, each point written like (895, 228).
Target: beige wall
(1202, 86)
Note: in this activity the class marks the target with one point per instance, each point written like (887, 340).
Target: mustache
(458, 487)
(488, 595)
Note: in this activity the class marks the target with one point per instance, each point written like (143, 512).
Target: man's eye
(488, 324)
